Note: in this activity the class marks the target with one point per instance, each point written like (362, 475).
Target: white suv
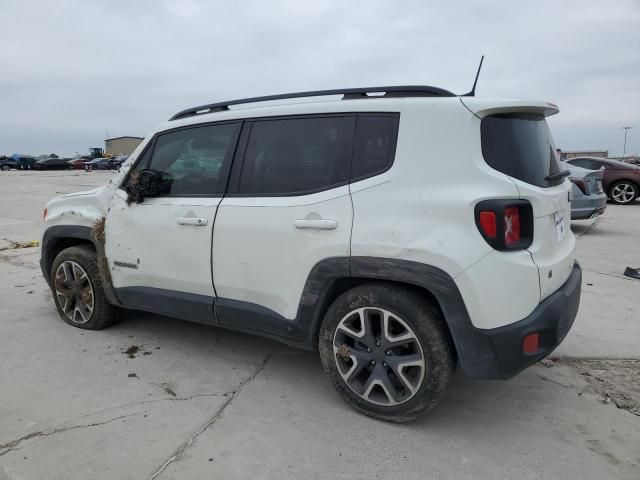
(398, 230)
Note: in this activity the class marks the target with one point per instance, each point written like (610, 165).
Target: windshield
(520, 145)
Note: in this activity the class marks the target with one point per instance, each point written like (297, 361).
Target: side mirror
(146, 183)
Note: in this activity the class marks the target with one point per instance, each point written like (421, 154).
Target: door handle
(197, 221)
(317, 224)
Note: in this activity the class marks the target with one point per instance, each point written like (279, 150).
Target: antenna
(472, 93)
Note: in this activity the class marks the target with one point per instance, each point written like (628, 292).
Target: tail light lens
(488, 223)
(511, 226)
(580, 183)
(505, 224)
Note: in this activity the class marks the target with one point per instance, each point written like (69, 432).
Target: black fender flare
(474, 350)
(59, 233)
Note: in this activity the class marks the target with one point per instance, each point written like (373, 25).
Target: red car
(621, 181)
(78, 163)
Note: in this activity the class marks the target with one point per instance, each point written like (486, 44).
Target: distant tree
(53, 155)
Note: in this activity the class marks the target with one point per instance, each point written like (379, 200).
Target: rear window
(520, 145)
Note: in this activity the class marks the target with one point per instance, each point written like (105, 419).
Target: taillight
(511, 226)
(580, 183)
(505, 224)
(488, 223)
(45, 213)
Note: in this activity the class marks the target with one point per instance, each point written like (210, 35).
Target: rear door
(287, 208)
(520, 145)
(159, 250)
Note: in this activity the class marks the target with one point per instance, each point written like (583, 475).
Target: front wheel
(386, 350)
(623, 192)
(5, 168)
(77, 289)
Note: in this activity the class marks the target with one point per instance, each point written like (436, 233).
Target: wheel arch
(59, 237)
(332, 277)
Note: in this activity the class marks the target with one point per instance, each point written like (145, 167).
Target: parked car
(53, 164)
(632, 160)
(19, 162)
(337, 226)
(589, 199)
(4, 163)
(621, 181)
(78, 163)
(119, 160)
(100, 164)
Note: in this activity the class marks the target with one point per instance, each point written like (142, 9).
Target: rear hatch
(516, 141)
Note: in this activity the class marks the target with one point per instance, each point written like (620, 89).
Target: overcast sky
(72, 70)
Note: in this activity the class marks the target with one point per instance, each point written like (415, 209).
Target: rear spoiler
(481, 107)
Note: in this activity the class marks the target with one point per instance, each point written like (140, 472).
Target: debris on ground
(632, 273)
(548, 362)
(169, 388)
(132, 375)
(615, 381)
(132, 350)
(17, 245)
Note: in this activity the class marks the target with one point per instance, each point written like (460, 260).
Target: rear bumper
(498, 353)
(588, 206)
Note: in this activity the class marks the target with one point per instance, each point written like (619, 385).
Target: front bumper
(498, 353)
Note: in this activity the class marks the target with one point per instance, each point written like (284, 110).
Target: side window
(587, 163)
(375, 145)
(295, 156)
(193, 161)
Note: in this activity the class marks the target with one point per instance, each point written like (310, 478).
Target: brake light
(511, 226)
(44, 214)
(580, 183)
(488, 223)
(505, 224)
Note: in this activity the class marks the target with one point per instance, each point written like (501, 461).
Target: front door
(159, 250)
(288, 207)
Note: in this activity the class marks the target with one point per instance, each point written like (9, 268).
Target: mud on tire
(371, 341)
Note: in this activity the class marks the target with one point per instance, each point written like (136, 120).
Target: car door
(287, 208)
(159, 250)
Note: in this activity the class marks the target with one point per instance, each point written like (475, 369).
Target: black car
(53, 164)
(17, 162)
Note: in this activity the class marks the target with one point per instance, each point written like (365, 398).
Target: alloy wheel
(378, 356)
(74, 292)
(623, 192)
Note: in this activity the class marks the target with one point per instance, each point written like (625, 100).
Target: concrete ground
(197, 402)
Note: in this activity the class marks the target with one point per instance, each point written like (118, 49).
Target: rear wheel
(387, 352)
(77, 290)
(623, 192)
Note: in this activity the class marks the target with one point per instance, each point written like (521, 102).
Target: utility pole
(624, 149)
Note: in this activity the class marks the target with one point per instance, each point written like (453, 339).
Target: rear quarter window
(374, 148)
(520, 145)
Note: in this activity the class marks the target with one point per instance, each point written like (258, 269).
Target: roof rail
(348, 94)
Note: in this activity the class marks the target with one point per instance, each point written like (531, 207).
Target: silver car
(589, 200)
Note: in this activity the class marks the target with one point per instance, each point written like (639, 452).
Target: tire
(623, 192)
(77, 290)
(6, 168)
(363, 371)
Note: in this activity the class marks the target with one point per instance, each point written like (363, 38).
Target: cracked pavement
(208, 403)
